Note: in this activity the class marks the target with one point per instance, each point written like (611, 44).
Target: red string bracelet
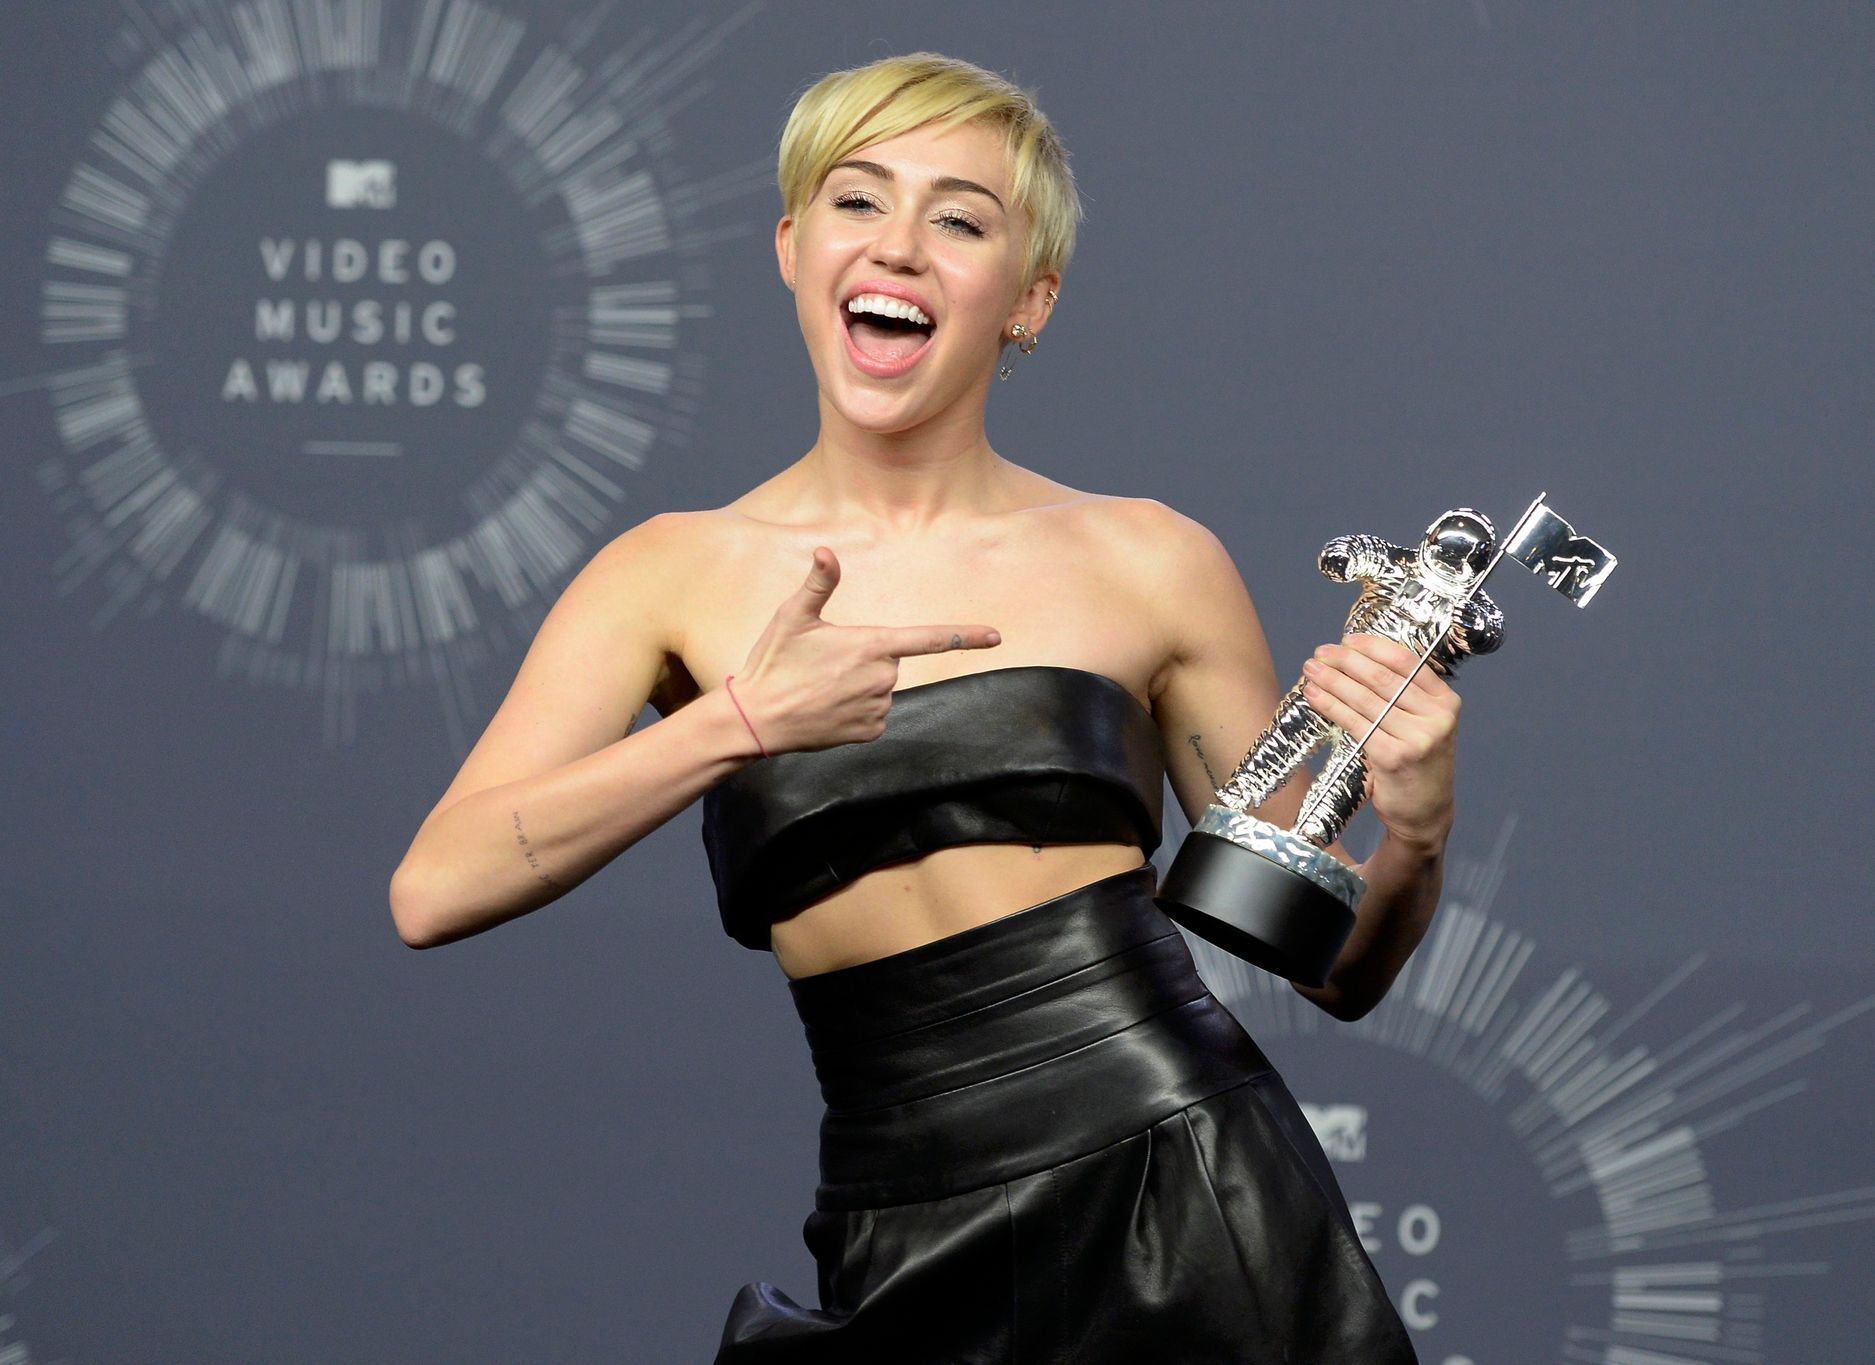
(744, 714)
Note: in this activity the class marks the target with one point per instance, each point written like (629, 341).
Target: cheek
(980, 310)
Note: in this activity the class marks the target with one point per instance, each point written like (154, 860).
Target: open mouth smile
(885, 335)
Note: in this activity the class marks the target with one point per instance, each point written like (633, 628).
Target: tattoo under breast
(527, 852)
(1198, 748)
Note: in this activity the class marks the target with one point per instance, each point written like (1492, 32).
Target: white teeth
(889, 306)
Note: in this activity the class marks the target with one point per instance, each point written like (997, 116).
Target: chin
(881, 414)
(879, 409)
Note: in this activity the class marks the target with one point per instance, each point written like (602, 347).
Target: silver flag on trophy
(1574, 565)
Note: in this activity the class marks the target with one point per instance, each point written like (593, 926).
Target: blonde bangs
(847, 110)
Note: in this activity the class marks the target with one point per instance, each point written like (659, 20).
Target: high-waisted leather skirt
(1046, 1141)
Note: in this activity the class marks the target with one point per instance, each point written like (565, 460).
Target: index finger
(1400, 659)
(898, 641)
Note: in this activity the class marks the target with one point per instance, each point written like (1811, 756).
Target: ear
(784, 251)
(1032, 307)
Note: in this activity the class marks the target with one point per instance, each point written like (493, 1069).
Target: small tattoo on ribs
(527, 852)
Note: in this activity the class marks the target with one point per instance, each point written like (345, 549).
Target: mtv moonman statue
(1414, 596)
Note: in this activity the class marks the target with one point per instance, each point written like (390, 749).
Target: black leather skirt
(1046, 1141)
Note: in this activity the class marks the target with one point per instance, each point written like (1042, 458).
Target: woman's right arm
(557, 786)
(552, 793)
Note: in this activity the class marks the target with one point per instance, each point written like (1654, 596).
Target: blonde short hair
(847, 110)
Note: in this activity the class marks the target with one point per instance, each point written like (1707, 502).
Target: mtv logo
(1340, 1128)
(361, 185)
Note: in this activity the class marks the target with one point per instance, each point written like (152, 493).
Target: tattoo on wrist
(1198, 748)
(527, 852)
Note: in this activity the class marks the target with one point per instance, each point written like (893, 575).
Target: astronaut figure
(1413, 596)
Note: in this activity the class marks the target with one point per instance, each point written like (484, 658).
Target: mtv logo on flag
(361, 185)
(1340, 1128)
(1574, 565)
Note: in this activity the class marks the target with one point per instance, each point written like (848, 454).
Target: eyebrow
(947, 183)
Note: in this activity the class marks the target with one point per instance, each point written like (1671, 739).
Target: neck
(903, 480)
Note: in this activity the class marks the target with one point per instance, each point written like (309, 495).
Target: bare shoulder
(1165, 572)
(1148, 519)
(1176, 555)
(1198, 605)
(660, 555)
(648, 546)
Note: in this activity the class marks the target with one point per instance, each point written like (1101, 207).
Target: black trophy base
(1255, 909)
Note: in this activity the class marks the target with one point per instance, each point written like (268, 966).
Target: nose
(897, 243)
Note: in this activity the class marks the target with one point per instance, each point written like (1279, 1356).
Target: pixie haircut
(847, 110)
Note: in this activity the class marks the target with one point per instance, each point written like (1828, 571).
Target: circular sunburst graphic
(15, 1346)
(362, 319)
(1528, 1162)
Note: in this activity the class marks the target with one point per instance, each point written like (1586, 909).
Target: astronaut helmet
(1459, 544)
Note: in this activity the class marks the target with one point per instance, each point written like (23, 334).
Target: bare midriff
(906, 905)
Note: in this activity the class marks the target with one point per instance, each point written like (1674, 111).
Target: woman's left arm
(1410, 778)
(1218, 689)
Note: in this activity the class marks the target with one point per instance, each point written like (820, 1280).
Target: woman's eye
(962, 222)
(860, 201)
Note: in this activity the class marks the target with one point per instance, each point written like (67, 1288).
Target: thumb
(822, 579)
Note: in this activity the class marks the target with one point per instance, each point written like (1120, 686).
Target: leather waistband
(1012, 1046)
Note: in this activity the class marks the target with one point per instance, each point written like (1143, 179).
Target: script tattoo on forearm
(527, 852)
(1198, 748)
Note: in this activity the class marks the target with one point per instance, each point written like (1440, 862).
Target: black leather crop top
(1031, 754)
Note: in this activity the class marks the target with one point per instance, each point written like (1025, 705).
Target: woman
(1044, 1139)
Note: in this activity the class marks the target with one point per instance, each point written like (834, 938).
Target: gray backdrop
(1343, 266)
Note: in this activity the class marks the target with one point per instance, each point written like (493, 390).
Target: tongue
(886, 344)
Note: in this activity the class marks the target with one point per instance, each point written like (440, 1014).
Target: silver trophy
(1276, 897)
